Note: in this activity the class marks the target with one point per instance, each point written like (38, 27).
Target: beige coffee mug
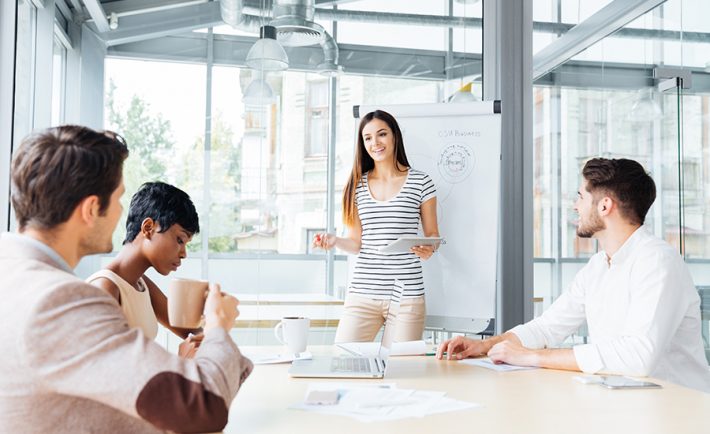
(186, 302)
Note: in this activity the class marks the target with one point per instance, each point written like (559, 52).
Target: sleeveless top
(384, 222)
(135, 304)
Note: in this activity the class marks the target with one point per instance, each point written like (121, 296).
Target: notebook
(355, 366)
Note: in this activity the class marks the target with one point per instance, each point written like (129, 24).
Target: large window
(258, 164)
(605, 101)
(24, 70)
(414, 35)
(24, 96)
(267, 192)
(159, 108)
(260, 189)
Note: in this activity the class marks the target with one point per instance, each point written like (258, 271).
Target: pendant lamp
(267, 54)
(258, 92)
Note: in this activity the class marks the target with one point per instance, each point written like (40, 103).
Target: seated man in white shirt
(636, 295)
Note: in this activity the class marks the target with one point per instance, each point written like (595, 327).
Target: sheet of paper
(335, 385)
(379, 402)
(448, 404)
(370, 349)
(366, 400)
(269, 359)
(488, 363)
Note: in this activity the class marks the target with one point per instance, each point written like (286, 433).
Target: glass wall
(265, 173)
(258, 170)
(24, 70)
(394, 35)
(606, 101)
(259, 173)
(164, 127)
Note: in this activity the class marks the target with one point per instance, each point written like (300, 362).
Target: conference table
(533, 401)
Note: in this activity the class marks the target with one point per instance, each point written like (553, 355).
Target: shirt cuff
(219, 336)
(588, 358)
(527, 337)
(216, 333)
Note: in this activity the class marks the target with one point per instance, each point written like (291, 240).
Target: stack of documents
(382, 401)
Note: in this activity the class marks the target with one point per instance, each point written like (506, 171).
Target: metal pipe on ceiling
(232, 12)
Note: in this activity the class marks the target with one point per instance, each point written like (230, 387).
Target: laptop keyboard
(350, 364)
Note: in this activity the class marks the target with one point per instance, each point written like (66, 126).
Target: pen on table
(432, 352)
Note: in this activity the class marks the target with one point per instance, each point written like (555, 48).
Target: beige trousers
(363, 317)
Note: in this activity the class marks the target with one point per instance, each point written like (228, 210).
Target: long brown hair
(363, 163)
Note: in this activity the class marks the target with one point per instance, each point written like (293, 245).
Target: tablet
(403, 244)
(618, 382)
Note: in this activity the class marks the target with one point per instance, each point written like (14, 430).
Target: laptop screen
(390, 324)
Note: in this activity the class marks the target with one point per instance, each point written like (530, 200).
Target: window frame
(61, 40)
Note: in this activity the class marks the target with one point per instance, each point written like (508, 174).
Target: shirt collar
(628, 247)
(29, 241)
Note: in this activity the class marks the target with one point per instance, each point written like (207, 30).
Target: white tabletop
(537, 401)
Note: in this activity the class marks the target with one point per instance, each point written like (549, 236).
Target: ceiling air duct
(294, 24)
(329, 66)
(231, 11)
(293, 20)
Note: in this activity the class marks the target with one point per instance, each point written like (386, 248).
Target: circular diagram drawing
(456, 162)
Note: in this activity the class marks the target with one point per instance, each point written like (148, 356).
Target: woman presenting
(384, 199)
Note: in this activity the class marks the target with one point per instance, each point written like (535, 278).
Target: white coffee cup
(186, 302)
(293, 332)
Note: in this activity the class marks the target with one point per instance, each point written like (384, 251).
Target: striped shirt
(384, 222)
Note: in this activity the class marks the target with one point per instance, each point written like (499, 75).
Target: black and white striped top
(383, 222)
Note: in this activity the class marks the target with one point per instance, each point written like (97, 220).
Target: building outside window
(317, 118)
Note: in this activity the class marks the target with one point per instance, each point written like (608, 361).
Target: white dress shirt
(642, 311)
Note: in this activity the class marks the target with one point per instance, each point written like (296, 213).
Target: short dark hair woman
(161, 221)
(383, 200)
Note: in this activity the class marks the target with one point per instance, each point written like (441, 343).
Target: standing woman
(383, 200)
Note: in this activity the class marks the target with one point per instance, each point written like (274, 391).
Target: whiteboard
(458, 145)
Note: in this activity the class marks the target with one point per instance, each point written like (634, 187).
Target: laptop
(347, 366)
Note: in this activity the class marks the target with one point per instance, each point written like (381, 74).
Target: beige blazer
(73, 364)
